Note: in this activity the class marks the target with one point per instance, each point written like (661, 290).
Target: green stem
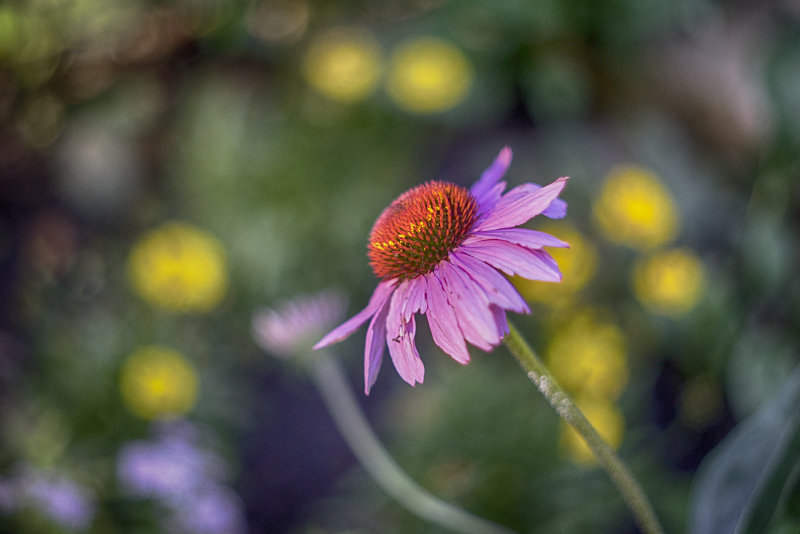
(618, 472)
(330, 380)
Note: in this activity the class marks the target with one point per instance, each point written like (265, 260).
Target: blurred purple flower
(438, 249)
(213, 509)
(64, 501)
(8, 499)
(171, 468)
(294, 325)
(176, 471)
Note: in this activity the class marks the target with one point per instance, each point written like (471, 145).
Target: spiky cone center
(420, 229)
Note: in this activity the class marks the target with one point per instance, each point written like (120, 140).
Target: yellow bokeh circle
(670, 282)
(428, 75)
(635, 209)
(179, 268)
(158, 383)
(343, 64)
(588, 356)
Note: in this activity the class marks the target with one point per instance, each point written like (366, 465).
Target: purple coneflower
(438, 250)
(290, 328)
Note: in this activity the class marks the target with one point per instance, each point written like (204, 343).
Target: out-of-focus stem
(376, 461)
(619, 473)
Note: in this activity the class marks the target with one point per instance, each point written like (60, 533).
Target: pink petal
(400, 332)
(471, 306)
(485, 190)
(373, 347)
(403, 350)
(499, 290)
(415, 300)
(520, 205)
(514, 259)
(520, 236)
(556, 210)
(378, 298)
(443, 323)
(396, 317)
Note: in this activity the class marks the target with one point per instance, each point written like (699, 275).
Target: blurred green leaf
(744, 483)
(760, 359)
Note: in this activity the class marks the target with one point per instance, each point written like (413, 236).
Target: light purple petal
(402, 349)
(491, 198)
(521, 236)
(373, 347)
(499, 290)
(500, 320)
(556, 210)
(443, 323)
(520, 205)
(486, 190)
(378, 298)
(471, 306)
(515, 259)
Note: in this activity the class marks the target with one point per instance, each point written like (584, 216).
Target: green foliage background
(193, 115)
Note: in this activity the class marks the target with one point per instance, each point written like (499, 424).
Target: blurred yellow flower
(588, 356)
(158, 383)
(343, 64)
(428, 75)
(179, 267)
(635, 209)
(605, 418)
(670, 282)
(578, 264)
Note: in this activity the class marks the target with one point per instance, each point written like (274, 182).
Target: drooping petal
(466, 329)
(400, 332)
(515, 259)
(373, 347)
(499, 290)
(397, 317)
(415, 299)
(471, 306)
(486, 190)
(521, 236)
(378, 298)
(403, 350)
(443, 323)
(520, 205)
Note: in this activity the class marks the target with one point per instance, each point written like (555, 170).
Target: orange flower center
(420, 229)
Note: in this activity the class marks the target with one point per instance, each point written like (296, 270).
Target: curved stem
(330, 380)
(619, 473)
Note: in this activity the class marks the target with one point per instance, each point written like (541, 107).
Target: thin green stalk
(622, 477)
(330, 380)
